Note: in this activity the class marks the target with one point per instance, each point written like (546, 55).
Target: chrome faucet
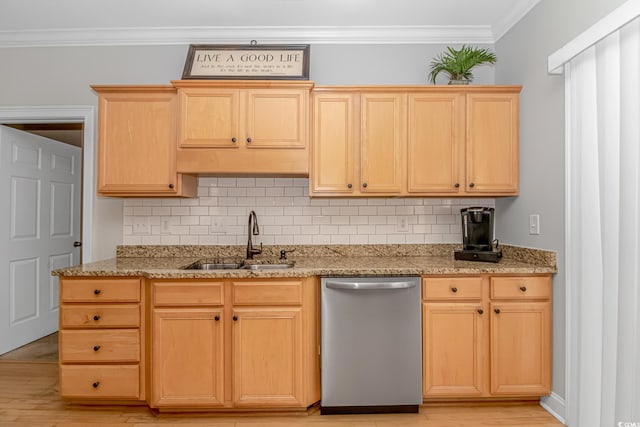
(255, 231)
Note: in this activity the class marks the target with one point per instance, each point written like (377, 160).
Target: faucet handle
(283, 253)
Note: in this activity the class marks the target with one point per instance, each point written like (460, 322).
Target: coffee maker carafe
(477, 236)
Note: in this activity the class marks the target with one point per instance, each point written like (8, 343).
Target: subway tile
(321, 239)
(338, 202)
(283, 182)
(142, 210)
(237, 192)
(445, 219)
(309, 229)
(245, 182)
(358, 240)
(169, 240)
(321, 219)
(206, 181)
(218, 191)
(283, 220)
(358, 220)
(339, 239)
(179, 210)
(339, 219)
(199, 230)
(274, 191)
(161, 211)
(199, 210)
(189, 202)
(151, 202)
(188, 240)
(302, 220)
(442, 210)
(328, 229)
(302, 239)
(264, 182)
(395, 239)
(227, 182)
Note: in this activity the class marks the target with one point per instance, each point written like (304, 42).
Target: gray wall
(522, 59)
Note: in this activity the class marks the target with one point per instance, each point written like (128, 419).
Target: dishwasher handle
(355, 286)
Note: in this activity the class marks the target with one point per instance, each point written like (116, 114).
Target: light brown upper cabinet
(256, 127)
(358, 143)
(136, 143)
(415, 141)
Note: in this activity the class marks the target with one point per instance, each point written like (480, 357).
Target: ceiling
(25, 23)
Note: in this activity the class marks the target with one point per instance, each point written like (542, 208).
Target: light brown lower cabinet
(101, 351)
(486, 337)
(253, 347)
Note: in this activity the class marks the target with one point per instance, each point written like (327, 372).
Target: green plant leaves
(457, 63)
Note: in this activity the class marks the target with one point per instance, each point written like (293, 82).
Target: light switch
(534, 224)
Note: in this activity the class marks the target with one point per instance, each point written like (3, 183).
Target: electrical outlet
(141, 225)
(534, 224)
(402, 226)
(216, 226)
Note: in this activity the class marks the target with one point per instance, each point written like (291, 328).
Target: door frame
(68, 114)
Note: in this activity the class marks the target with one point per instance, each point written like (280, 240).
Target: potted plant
(458, 63)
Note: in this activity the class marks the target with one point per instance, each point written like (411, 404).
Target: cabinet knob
(457, 185)
(96, 291)
(96, 348)
(364, 184)
(171, 186)
(235, 318)
(349, 185)
(249, 140)
(216, 318)
(523, 288)
(96, 317)
(496, 310)
(472, 185)
(480, 311)
(234, 139)
(96, 384)
(454, 290)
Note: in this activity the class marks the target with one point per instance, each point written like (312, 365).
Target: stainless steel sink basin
(241, 265)
(268, 266)
(203, 265)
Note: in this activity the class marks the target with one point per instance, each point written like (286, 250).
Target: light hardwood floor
(29, 398)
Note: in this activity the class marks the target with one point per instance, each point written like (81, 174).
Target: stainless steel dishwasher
(371, 345)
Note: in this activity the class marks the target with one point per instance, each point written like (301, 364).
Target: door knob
(77, 244)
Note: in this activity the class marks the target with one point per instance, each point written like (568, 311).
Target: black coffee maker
(477, 236)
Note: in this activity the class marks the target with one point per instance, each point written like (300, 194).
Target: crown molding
(481, 34)
(517, 11)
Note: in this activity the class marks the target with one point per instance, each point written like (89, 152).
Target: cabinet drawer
(267, 293)
(100, 316)
(100, 381)
(187, 293)
(100, 290)
(532, 287)
(452, 288)
(120, 345)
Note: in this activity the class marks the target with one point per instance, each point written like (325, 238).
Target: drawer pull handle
(216, 318)
(523, 288)
(96, 317)
(454, 290)
(235, 318)
(480, 311)
(97, 291)
(96, 384)
(96, 348)
(496, 310)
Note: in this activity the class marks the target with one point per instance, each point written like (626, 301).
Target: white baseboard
(555, 405)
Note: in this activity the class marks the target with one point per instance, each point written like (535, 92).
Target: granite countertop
(167, 262)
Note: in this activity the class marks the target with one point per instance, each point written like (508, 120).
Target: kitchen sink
(267, 266)
(241, 265)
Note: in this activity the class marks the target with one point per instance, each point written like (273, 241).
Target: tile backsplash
(286, 215)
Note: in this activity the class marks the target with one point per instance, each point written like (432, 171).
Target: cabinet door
(382, 150)
(492, 143)
(454, 349)
(275, 118)
(136, 143)
(521, 348)
(267, 357)
(436, 143)
(333, 144)
(187, 358)
(209, 118)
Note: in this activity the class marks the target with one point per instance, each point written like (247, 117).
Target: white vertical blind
(603, 236)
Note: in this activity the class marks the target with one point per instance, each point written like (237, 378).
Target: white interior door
(40, 182)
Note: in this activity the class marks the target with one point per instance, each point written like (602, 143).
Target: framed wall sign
(206, 61)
